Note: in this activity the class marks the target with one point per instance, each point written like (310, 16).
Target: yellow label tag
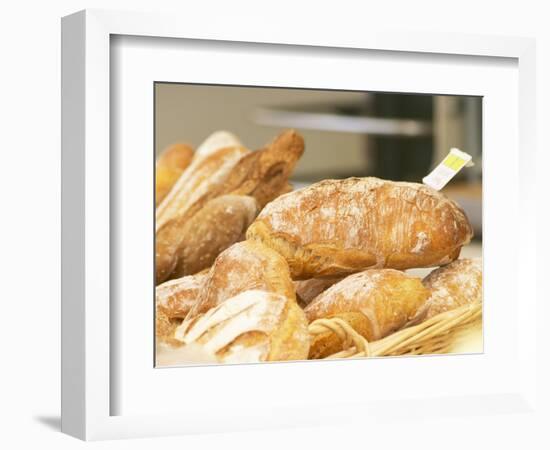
(454, 162)
(447, 169)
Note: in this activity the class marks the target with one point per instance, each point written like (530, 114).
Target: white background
(30, 140)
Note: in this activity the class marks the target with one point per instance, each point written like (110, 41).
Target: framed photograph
(256, 222)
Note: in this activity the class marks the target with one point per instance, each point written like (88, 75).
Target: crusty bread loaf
(242, 267)
(375, 303)
(456, 284)
(201, 177)
(169, 166)
(222, 222)
(190, 243)
(217, 140)
(336, 227)
(307, 290)
(252, 326)
(263, 174)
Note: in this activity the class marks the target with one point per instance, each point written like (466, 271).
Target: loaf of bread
(456, 284)
(253, 326)
(190, 243)
(263, 174)
(169, 166)
(375, 303)
(222, 222)
(201, 177)
(190, 234)
(217, 140)
(173, 300)
(336, 227)
(243, 266)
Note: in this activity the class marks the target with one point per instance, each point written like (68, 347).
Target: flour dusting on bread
(454, 285)
(343, 226)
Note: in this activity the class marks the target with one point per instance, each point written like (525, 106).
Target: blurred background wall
(389, 135)
(190, 113)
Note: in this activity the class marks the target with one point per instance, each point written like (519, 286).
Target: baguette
(242, 267)
(374, 302)
(169, 166)
(456, 284)
(217, 140)
(253, 326)
(337, 227)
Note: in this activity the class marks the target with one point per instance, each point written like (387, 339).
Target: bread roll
(336, 227)
(253, 326)
(170, 165)
(374, 302)
(218, 225)
(456, 284)
(202, 176)
(243, 266)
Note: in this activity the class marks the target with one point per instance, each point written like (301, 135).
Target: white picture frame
(89, 385)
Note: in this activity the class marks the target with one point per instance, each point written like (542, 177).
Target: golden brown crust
(456, 284)
(222, 222)
(218, 139)
(336, 227)
(263, 174)
(169, 166)
(307, 290)
(252, 326)
(291, 340)
(198, 181)
(187, 245)
(374, 302)
(176, 297)
(243, 266)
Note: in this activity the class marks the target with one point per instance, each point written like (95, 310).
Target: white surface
(30, 239)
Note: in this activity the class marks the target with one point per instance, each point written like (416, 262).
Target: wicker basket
(436, 335)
